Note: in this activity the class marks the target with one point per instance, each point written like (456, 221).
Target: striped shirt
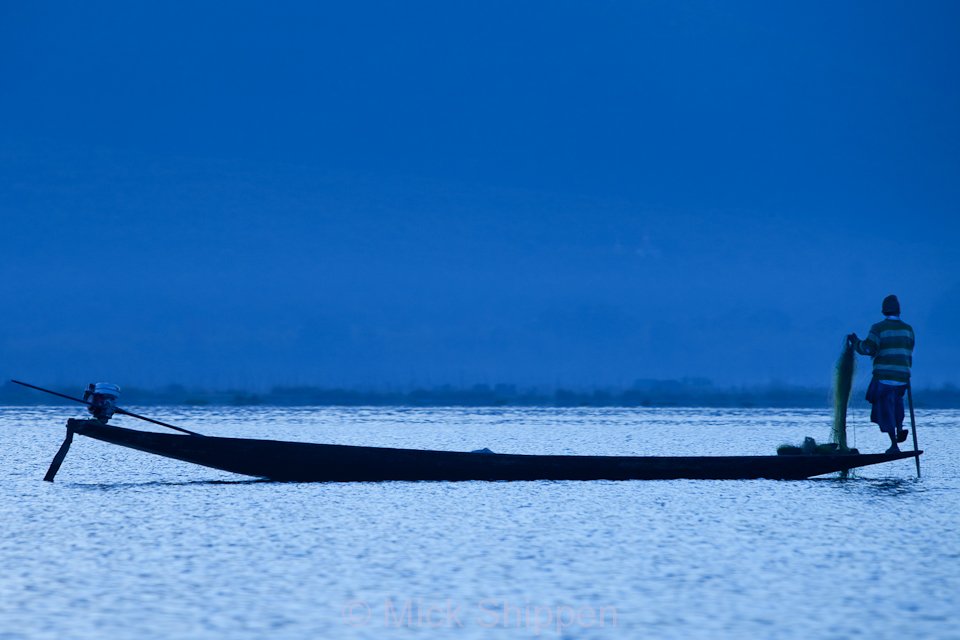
(890, 343)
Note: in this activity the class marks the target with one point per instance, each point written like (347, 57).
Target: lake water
(128, 545)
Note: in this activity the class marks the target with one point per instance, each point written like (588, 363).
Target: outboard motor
(102, 397)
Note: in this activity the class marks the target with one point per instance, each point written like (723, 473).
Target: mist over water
(378, 195)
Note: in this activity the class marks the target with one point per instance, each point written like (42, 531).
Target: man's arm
(869, 345)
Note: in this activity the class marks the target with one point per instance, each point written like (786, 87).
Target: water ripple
(126, 545)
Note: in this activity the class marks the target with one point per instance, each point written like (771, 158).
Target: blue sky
(386, 194)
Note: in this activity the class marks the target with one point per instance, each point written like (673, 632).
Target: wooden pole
(58, 459)
(913, 426)
(118, 409)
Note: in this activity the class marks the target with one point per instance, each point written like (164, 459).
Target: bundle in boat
(842, 386)
(809, 447)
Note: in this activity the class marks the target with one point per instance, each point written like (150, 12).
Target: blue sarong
(887, 400)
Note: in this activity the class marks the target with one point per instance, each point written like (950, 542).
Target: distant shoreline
(661, 394)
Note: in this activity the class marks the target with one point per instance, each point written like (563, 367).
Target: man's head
(891, 306)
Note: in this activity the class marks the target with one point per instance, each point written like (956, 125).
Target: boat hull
(305, 462)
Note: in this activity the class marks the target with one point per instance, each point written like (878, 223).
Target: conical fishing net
(842, 385)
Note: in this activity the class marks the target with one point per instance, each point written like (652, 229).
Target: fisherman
(890, 344)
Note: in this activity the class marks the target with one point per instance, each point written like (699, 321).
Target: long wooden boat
(305, 462)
